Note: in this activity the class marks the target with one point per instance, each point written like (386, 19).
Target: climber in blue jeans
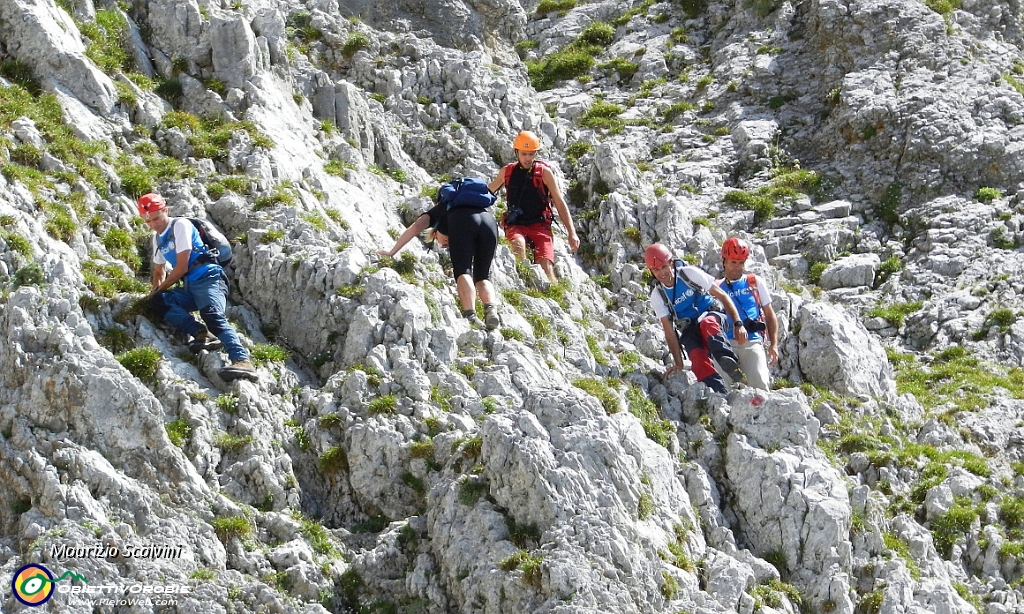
(176, 242)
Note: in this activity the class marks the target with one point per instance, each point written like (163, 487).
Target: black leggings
(472, 239)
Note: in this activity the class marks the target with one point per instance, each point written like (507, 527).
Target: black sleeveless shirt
(521, 194)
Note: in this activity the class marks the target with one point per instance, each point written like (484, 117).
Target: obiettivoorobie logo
(33, 584)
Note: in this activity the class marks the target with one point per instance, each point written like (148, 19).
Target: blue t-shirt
(687, 302)
(179, 236)
(742, 296)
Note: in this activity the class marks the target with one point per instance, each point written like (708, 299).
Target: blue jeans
(208, 296)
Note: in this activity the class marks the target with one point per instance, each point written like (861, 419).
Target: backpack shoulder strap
(200, 226)
(679, 264)
(752, 284)
(169, 235)
(508, 173)
(665, 297)
(538, 177)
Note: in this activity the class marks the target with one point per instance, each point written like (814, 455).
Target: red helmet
(526, 141)
(735, 249)
(151, 202)
(656, 255)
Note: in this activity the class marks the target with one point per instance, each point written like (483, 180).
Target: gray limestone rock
(836, 351)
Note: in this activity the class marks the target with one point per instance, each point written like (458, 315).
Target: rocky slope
(390, 459)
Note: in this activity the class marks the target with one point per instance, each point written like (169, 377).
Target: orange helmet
(527, 141)
(735, 249)
(657, 255)
(151, 202)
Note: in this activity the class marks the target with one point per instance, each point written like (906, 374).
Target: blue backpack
(466, 192)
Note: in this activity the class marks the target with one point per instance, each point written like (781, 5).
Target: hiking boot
(721, 351)
(715, 383)
(491, 317)
(472, 319)
(238, 369)
(731, 367)
(204, 341)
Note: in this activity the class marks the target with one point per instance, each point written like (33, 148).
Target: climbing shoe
(491, 317)
(238, 369)
(204, 341)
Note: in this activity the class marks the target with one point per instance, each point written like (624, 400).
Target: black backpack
(218, 248)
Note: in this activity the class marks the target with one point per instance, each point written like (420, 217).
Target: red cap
(151, 202)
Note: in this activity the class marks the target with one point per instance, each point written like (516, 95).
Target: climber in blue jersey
(684, 299)
(750, 294)
(176, 243)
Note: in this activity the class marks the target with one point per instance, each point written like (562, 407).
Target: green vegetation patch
(109, 280)
(386, 404)
(124, 246)
(263, 353)
(787, 184)
(334, 460)
(657, 429)
(522, 535)
(943, 7)
(16, 243)
(575, 60)
(106, 40)
(404, 265)
(624, 67)
(470, 491)
(142, 362)
(209, 137)
(987, 195)
(239, 184)
(355, 42)
(954, 377)
(554, 6)
(116, 339)
(603, 115)
(317, 536)
(524, 562)
(422, 449)
(600, 390)
(300, 26)
(1002, 317)
(228, 442)
(902, 549)
(896, 313)
(645, 506)
(954, 524)
(677, 549)
(772, 594)
(227, 403)
(29, 275)
(1011, 511)
(888, 267)
(888, 206)
(178, 432)
(228, 527)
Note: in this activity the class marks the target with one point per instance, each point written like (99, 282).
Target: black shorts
(472, 239)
